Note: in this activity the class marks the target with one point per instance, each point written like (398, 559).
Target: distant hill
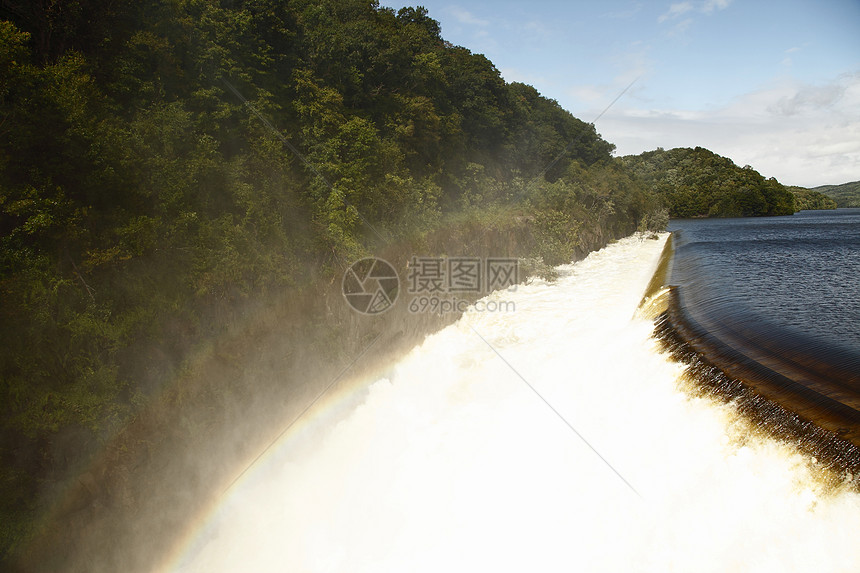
(699, 183)
(845, 195)
(807, 199)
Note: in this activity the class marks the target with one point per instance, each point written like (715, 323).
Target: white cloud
(799, 133)
(788, 60)
(679, 9)
(811, 98)
(675, 10)
(465, 17)
(475, 32)
(711, 5)
(681, 27)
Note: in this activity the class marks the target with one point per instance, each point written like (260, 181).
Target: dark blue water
(799, 273)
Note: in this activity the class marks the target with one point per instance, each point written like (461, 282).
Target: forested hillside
(845, 195)
(700, 183)
(144, 205)
(807, 199)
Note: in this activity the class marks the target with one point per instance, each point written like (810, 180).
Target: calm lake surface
(795, 275)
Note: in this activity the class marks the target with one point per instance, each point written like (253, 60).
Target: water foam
(452, 463)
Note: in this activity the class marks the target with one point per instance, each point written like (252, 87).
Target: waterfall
(552, 437)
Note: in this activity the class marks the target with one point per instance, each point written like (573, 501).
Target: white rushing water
(452, 463)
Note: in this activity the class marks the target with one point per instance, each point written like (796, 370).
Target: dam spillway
(448, 461)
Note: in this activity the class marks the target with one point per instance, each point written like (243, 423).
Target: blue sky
(772, 84)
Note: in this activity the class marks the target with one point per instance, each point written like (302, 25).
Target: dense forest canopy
(700, 183)
(845, 195)
(809, 199)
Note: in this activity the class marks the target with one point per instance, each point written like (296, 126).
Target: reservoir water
(775, 302)
(554, 438)
(800, 273)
